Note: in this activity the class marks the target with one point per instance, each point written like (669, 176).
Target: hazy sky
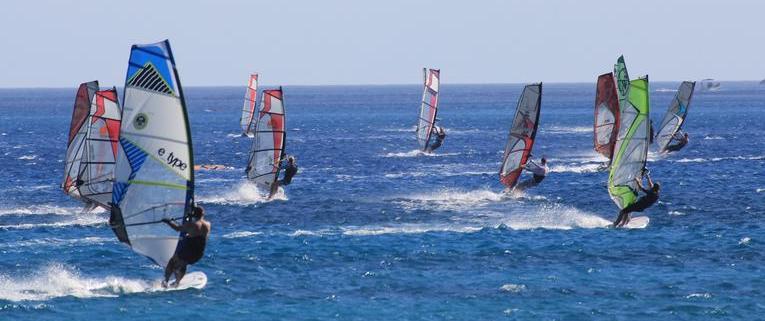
(60, 43)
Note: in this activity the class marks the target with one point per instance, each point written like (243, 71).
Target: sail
(606, 115)
(622, 80)
(631, 147)
(78, 130)
(675, 116)
(269, 140)
(154, 174)
(250, 100)
(522, 134)
(101, 141)
(429, 106)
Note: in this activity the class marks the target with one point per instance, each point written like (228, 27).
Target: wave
(554, 217)
(417, 152)
(408, 229)
(744, 241)
(308, 233)
(718, 159)
(238, 135)
(712, 137)
(58, 280)
(512, 288)
(579, 168)
(452, 199)
(46, 210)
(567, 129)
(760, 190)
(441, 174)
(240, 234)
(91, 240)
(665, 90)
(28, 157)
(86, 219)
(245, 193)
(401, 130)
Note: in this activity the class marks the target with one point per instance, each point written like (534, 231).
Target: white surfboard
(637, 222)
(195, 280)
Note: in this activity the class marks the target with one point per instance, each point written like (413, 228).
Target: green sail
(622, 80)
(631, 147)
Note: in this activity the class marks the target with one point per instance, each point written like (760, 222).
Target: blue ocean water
(370, 229)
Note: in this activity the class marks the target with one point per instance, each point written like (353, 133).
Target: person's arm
(650, 181)
(172, 224)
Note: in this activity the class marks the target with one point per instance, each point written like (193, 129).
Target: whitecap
(567, 129)
(513, 288)
(578, 168)
(240, 234)
(245, 193)
(744, 241)
(28, 157)
(699, 295)
(408, 229)
(58, 280)
(417, 152)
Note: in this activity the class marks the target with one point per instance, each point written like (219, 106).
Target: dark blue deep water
(372, 230)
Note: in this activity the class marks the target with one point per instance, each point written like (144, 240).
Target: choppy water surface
(371, 229)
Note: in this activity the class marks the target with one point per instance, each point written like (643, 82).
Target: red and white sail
(522, 135)
(606, 128)
(270, 136)
(250, 102)
(429, 106)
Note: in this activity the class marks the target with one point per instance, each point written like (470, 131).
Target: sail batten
(429, 107)
(522, 135)
(269, 140)
(675, 117)
(154, 176)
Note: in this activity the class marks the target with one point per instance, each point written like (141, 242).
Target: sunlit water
(371, 229)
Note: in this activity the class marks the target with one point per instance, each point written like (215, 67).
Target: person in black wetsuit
(682, 140)
(190, 248)
(644, 202)
(440, 136)
(290, 169)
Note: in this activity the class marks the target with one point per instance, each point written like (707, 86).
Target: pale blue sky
(60, 43)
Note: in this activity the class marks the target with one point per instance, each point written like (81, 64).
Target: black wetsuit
(289, 172)
(643, 202)
(676, 147)
(191, 249)
(436, 144)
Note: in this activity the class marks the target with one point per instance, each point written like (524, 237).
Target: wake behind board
(195, 280)
(637, 222)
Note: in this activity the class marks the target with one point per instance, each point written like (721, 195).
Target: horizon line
(381, 85)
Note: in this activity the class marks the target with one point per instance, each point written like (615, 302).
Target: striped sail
(268, 143)
(522, 135)
(631, 147)
(154, 176)
(606, 115)
(428, 107)
(675, 117)
(250, 102)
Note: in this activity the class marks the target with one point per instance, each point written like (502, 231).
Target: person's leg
(620, 220)
(180, 271)
(169, 269)
(274, 189)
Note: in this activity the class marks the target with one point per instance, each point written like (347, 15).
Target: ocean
(371, 229)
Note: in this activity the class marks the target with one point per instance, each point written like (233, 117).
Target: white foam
(55, 242)
(744, 241)
(44, 210)
(416, 153)
(28, 157)
(677, 213)
(453, 199)
(238, 135)
(408, 229)
(567, 130)
(401, 130)
(555, 217)
(760, 190)
(58, 280)
(713, 137)
(718, 159)
(666, 90)
(308, 233)
(245, 193)
(86, 219)
(240, 234)
(578, 168)
(699, 295)
(512, 288)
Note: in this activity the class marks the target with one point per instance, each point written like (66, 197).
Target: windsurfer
(538, 171)
(644, 202)
(440, 136)
(290, 169)
(682, 140)
(191, 247)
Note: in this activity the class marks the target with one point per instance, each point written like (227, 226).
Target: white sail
(675, 117)
(154, 176)
(428, 107)
(269, 140)
(250, 101)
